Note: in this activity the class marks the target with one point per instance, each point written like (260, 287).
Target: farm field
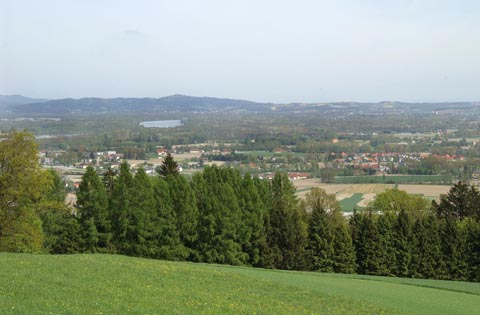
(106, 284)
(358, 196)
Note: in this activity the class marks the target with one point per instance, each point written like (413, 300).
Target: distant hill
(173, 103)
(19, 105)
(10, 100)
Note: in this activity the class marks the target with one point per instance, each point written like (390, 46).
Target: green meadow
(106, 284)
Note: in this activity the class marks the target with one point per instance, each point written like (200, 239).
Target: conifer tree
(90, 235)
(92, 208)
(325, 216)
(168, 242)
(286, 230)
(343, 252)
(120, 208)
(472, 231)
(184, 203)
(320, 241)
(366, 241)
(220, 214)
(169, 167)
(403, 238)
(264, 192)
(427, 255)
(142, 228)
(453, 249)
(461, 201)
(108, 179)
(253, 212)
(386, 247)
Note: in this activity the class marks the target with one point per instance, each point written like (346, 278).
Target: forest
(220, 216)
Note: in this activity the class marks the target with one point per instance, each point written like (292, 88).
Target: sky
(262, 50)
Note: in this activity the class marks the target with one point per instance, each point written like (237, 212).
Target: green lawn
(349, 204)
(104, 284)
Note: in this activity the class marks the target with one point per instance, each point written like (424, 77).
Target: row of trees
(222, 217)
(217, 217)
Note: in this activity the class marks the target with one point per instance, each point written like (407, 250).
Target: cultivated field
(358, 196)
(106, 284)
(425, 190)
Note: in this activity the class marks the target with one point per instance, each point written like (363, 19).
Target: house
(161, 151)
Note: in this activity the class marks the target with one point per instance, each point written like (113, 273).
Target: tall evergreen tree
(427, 255)
(453, 249)
(472, 232)
(120, 208)
(343, 252)
(221, 217)
(320, 233)
(142, 227)
(286, 230)
(253, 212)
(403, 238)
(461, 201)
(92, 210)
(386, 247)
(169, 167)
(109, 180)
(169, 245)
(366, 240)
(184, 203)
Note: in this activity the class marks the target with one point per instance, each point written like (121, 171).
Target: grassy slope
(103, 284)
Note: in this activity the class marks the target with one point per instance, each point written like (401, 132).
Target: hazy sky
(263, 50)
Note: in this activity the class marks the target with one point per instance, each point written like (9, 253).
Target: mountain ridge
(193, 104)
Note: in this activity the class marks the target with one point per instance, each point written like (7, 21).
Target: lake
(161, 123)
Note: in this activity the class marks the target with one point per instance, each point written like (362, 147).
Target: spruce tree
(403, 239)
(92, 209)
(168, 241)
(253, 212)
(386, 247)
(453, 249)
(220, 213)
(142, 227)
(108, 179)
(366, 240)
(184, 203)
(90, 236)
(320, 241)
(325, 216)
(427, 255)
(120, 209)
(286, 230)
(472, 233)
(169, 167)
(343, 252)
(461, 201)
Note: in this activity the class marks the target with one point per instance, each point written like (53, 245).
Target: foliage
(461, 201)
(22, 184)
(169, 166)
(396, 200)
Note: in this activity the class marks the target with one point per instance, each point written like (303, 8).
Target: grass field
(359, 195)
(394, 179)
(104, 284)
(350, 203)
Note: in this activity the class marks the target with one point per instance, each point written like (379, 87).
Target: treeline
(222, 217)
